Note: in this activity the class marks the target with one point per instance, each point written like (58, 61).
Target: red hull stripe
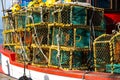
(1, 71)
(54, 71)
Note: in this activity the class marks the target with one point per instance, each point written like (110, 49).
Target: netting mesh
(20, 21)
(24, 54)
(40, 35)
(66, 36)
(64, 58)
(53, 36)
(77, 59)
(36, 17)
(79, 15)
(106, 53)
(6, 23)
(82, 38)
(102, 55)
(117, 49)
(105, 38)
(71, 15)
(93, 15)
(65, 15)
(54, 58)
(38, 57)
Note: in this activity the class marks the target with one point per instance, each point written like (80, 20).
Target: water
(1, 39)
(1, 36)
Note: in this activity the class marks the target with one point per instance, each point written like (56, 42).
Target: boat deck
(6, 77)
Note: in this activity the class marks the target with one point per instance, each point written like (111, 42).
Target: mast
(2, 7)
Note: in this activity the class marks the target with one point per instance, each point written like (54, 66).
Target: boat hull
(15, 69)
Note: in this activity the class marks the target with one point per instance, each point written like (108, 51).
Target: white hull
(17, 72)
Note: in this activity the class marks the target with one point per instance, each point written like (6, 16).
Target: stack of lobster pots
(56, 36)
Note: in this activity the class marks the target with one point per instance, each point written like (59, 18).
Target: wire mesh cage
(77, 59)
(66, 36)
(57, 36)
(74, 59)
(82, 38)
(40, 35)
(64, 58)
(75, 15)
(6, 23)
(24, 53)
(36, 17)
(62, 15)
(106, 53)
(40, 56)
(74, 37)
(95, 18)
(48, 15)
(8, 38)
(102, 56)
(20, 20)
(79, 15)
(19, 53)
(41, 14)
(28, 37)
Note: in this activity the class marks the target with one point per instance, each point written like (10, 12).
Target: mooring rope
(37, 42)
(21, 43)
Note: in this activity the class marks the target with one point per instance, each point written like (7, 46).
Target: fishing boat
(63, 40)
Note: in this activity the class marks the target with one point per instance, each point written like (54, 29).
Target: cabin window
(106, 4)
(102, 3)
(83, 1)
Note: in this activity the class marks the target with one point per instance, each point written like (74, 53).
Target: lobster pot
(116, 68)
(82, 38)
(8, 38)
(20, 20)
(106, 53)
(66, 36)
(23, 53)
(63, 60)
(28, 37)
(102, 56)
(22, 38)
(79, 15)
(51, 17)
(47, 15)
(95, 18)
(75, 15)
(42, 15)
(79, 59)
(40, 35)
(36, 17)
(19, 52)
(14, 37)
(39, 56)
(6, 23)
(9, 47)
